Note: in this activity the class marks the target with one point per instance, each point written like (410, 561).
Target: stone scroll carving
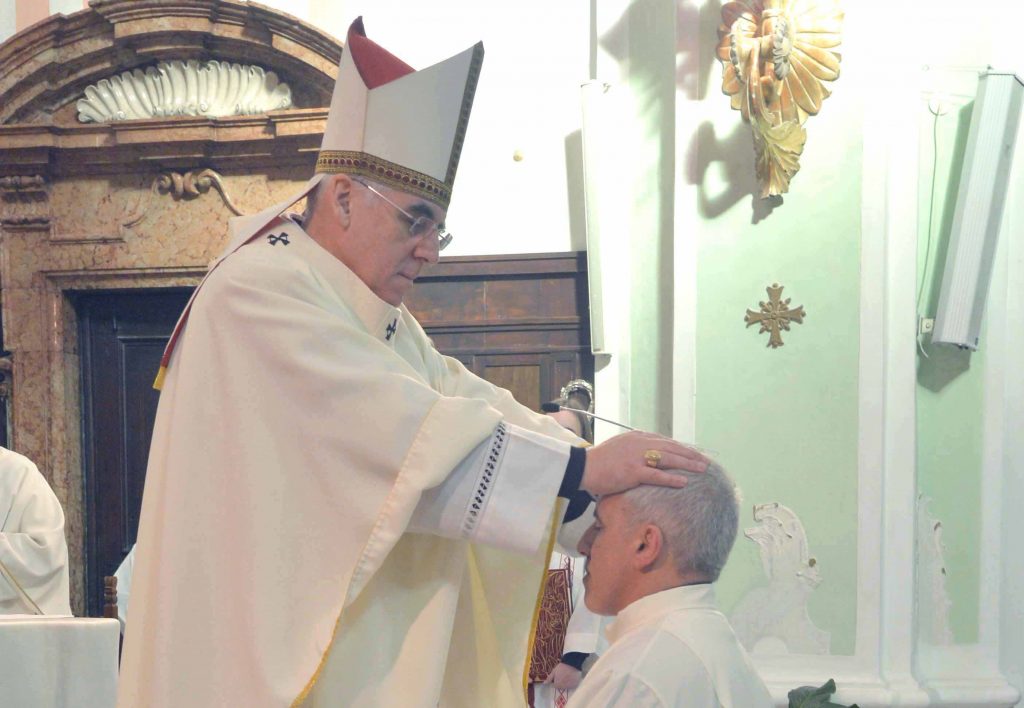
(180, 185)
(777, 58)
(774, 619)
(191, 184)
(184, 88)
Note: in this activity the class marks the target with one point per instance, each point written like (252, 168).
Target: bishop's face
(608, 545)
(379, 247)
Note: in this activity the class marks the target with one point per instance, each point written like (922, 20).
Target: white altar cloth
(58, 662)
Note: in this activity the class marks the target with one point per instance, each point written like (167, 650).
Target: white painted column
(1008, 605)
(899, 421)
(612, 368)
(1010, 601)
(687, 224)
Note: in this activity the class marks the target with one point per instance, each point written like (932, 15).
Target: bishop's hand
(636, 458)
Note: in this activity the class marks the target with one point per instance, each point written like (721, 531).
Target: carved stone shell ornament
(184, 88)
(777, 56)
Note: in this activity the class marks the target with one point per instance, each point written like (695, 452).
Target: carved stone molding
(184, 88)
(47, 67)
(25, 202)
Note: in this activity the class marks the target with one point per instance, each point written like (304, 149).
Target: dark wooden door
(122, 336)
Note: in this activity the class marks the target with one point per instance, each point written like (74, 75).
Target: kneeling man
(652, 554)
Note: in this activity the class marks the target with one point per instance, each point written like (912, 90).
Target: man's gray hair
(699, 522)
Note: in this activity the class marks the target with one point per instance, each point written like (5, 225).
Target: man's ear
(650, 545)
(340, 191)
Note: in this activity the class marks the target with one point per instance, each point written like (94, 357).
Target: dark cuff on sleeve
(575, 659)
(573, 472)
(579, 500)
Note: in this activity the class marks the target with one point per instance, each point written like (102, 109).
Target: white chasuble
(334, 513)
(33, 551)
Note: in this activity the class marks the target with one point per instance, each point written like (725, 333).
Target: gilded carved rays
(777, 57)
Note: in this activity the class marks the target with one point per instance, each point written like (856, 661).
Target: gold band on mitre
(390, 174)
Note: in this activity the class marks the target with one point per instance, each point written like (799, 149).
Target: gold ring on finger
(652, 458)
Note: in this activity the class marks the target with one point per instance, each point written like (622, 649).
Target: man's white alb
(672, 649)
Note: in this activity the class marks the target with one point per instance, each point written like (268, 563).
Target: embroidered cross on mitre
(273, 239)
(391, 329)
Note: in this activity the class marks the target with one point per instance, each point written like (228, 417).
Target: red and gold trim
(390, 174)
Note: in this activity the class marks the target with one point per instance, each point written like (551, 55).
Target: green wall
(949, 382)
(785, 421)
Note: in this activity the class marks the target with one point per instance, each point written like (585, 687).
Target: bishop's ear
(340, 190)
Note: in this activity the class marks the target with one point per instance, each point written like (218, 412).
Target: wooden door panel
(523, 380)
(121, 337)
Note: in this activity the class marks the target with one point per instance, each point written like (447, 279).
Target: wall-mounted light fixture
(979, 209)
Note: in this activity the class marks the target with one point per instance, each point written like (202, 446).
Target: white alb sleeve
(502, 494)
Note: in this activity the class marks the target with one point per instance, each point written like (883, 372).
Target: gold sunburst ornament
(777, 56)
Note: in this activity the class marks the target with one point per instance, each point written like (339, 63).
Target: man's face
(609, 544)
(378, 247)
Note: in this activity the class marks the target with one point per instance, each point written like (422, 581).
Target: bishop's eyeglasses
(419, 226)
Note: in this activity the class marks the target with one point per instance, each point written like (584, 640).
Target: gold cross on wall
(775, 316)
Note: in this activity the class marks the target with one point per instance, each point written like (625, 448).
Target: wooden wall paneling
(519, 321)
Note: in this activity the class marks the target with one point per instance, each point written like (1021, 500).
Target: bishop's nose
(428, 249)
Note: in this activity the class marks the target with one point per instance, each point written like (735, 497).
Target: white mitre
(387, 122)
(390, 123)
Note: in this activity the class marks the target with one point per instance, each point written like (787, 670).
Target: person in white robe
(652, 554)
(34, 576)
(124, 586)
(335, 514)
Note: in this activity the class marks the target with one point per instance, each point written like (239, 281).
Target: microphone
(554, 408)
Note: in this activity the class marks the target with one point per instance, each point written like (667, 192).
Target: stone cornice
(45, 67)
(236, 142)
